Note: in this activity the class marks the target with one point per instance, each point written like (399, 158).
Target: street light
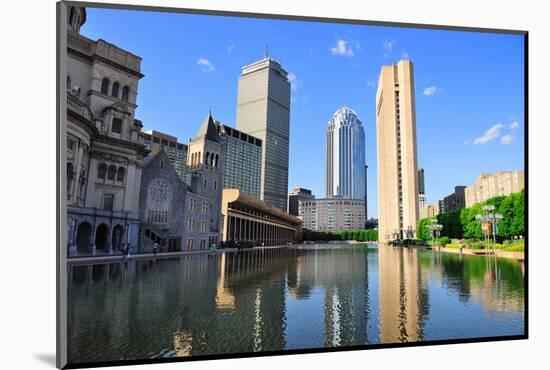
(491, 219)
(435, 229)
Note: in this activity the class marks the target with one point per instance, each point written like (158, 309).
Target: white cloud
(230, 47)
(428, 91)
(405, 55)
(514, 125)
(344, 48)
(506, 139)
(388, 47)
(206, 65)
(371, 83)
(491, 134)
(294, 83)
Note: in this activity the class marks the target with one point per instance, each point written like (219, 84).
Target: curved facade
(345, 164)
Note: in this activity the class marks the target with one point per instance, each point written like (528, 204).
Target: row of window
(157, 216)
(111, 172)
(105, 84)
(211, 159)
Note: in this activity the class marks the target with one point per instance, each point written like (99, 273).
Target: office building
(397, 157)
(243, 160)
(332, 214)
(263, 110)
(421, 189)
(455, 200)
(345, 151)
(155, 141)
(294, 198)
(492, 185)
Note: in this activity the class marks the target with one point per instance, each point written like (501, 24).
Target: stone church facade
(105, 148)
(182, 215)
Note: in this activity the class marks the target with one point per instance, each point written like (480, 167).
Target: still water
(288, 298)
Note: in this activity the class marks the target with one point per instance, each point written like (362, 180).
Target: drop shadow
(47, 358)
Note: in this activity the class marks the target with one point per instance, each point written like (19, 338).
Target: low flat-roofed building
(246, 218)
(333, 214)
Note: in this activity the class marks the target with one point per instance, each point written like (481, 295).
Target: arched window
(101, 171)
(162, 164)
(70, 176)
(125, 92)
(111, 172)
(105, 85)
(120, 174)
(216, 163)
(207, 158)
(114, 91)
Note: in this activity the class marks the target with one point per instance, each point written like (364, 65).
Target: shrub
(515, 248)
(444, 240)
(452, 245)
(477, 246)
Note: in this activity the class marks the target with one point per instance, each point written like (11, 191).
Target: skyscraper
(263, 110)
(345, 162)
(397, 159)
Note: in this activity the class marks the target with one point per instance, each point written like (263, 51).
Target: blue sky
(469, 86)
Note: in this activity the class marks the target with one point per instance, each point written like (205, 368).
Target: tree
(422, 231)
(452, 226)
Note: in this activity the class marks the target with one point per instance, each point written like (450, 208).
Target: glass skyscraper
(345, 163)
(243, 160)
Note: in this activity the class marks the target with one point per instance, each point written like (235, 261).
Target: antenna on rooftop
(266, 49)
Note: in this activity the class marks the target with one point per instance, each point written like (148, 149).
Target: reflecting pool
(288, 298)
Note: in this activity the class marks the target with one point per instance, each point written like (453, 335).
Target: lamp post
(435, 229)
(489, 222)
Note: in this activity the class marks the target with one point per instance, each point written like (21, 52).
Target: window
(101, 171)
(162, 164)
(114, 91)
(125, 93)
(105, 85)
(108, 200)
(68, 83)
(116, 126)
(189, 244)
(111, 172)
(120, 174)
(190, 225)
(70, 176)
(205, 183)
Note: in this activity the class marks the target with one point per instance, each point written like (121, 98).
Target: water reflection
(274, 299)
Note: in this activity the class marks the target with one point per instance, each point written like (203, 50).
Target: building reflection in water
(342, 277)
(403, 295)
(278, 298)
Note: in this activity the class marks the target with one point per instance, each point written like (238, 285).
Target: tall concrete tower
(397, 159)
(263, 111)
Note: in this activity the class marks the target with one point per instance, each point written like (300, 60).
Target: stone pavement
(146, 256)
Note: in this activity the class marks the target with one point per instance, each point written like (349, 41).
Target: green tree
(452, 226)
(422, 231)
